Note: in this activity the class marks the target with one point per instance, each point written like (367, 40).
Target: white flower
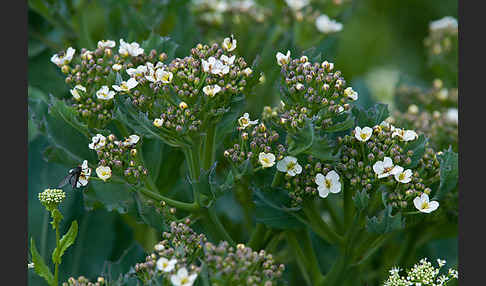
(64, 59)
(106, 44)
(136, 72)
(452, 115)
(247, 71)
(266, 159)
(164, 76)
(158, 122)
(328, 183)
(116, 67)
(405, 135)
(30, 265)
(441, 262)
(97, 142)
(214, 66)
(159, 247)
(166, 265)
(297, 4)
(326, 25)
(350, 93)
(283, 59)
(182, 278)
(227, 60)
(75, 92)
(229, 44)
(131, 140)
(447, 22)
(413, 109)
(363, 134)
(289, 165)
(299, 86)
(384, 168)
(126, 85)
(103, 172)
(245, 121)
(84, 176)
(403, 176)
(423, 205)
(211, 90)
(132, 49)
(340, 109)
(104, 93)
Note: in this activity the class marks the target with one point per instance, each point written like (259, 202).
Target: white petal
(417, 202)
(433, 205)
(335, 188)
(320, 179)
(332, 176)
(323, 191)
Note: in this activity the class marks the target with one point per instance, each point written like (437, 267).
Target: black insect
(72, 178)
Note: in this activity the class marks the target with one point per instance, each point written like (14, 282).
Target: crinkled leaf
(371, 116)
(148, 215)
(110, 195)
(302, 140)
(385, 223)
(271, 210)
(361, 200)
(140, 123)
(66, 241)
(323, 149)
(153, 152)
(346, 123)
(449, 173)
(40, 266)
(61, 111)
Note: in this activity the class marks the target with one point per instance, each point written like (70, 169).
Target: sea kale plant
(172, 146)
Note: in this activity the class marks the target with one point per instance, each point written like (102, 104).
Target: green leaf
(345, 124)
(386, 223)
(418, 148)
(40, 266)
(66, 241)
(361, 200)
(112, 196)
(139, 122)
(302, 140)
(372, 116)
(61, 111)
(160, 44)
(323, 149)
(449, 173)
(270, 209)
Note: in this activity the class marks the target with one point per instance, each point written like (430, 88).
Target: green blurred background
(381, 42)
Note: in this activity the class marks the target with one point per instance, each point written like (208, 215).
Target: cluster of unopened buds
(117, 156)
(83, 281)
(51, 198)
(422, 273)
(315, 91)
(256, 143)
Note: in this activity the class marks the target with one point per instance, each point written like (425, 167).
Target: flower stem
(257, 236)
(214, 225)
(56, 265)
(190, 207)
(209, 147)
(319, 226)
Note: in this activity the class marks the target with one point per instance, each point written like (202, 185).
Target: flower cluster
(257, 143)
(381, 156)
(194, 90)
(240, 265)
(422, 273)
(214, 11)
(92, 75)
(442, 38)
(313, 91)
(434, 113)
(83, 281)
(118, 157)
(177, 256)
(51, 198)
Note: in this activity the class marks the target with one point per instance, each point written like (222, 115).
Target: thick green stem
(190, 207)
(209, 147)
(305, 255)
(56, 265)
(338, 224)
(257, 237)
(319, 226)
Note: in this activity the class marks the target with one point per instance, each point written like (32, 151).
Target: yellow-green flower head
(51, 198)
